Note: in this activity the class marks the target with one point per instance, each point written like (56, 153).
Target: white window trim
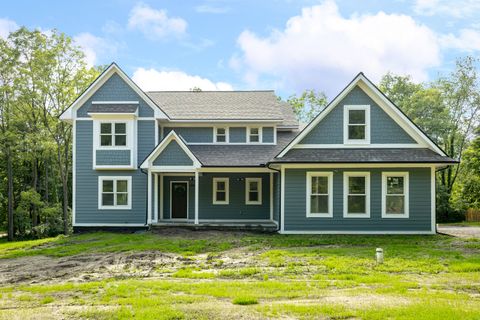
(346, 114)
(405, 175)
(227, 190)
(347, 175)
(114, 179)
(247, 191)
(260, 134)
(227, 134)
(328, 214)
(128, 134)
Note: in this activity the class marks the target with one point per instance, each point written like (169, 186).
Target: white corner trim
(405, 194)
(247, 191)
(385, 104)
(346, 176)
(309, 176)
(74, 172)
(128, 206)
(346, 124)
(227, 190)
(433, 200)
(282, 198)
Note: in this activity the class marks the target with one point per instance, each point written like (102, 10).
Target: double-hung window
(254, 135)
(357, 124)
(114, 192)
(220, 191)
(356, 197)
(113, 134)
(395, 195)
(319, 194)
(221, 135)
(253, 190)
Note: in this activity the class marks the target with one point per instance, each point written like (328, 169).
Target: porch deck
(265, 226)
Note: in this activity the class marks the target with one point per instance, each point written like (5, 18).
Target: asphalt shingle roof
(364, 155)
(113, 108)
(223, 105)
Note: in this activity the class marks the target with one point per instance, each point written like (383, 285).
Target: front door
(179, 193)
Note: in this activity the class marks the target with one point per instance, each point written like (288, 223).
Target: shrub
(244, 301)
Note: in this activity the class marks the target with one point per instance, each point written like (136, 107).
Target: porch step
(263, 227)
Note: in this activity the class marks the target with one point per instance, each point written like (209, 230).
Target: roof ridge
(204, 91)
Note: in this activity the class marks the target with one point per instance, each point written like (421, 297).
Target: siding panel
(173, 155)
(192, 135)
(238, 134)
(267, 133)
(112, 157)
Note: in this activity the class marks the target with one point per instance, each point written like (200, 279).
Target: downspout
(280, 195)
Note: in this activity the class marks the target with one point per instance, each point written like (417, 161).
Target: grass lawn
(223, 275)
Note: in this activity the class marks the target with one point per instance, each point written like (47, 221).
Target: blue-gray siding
(276, 197)
(383, 128)
(238, 134)
(173, 155)
(267, 134)
(420, 203)
(112, 157)
(166, 195)
(115, 89)
(86, 209)
(192, 134)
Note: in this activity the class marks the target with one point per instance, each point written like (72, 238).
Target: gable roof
(224, 105)
(383, 101)
(113, 68)
(172, 136)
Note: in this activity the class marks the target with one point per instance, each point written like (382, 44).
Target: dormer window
(357, 124)
(113, 134)
(221, 135)
(254, 135)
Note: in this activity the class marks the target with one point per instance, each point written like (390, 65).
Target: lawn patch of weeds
(245, 301)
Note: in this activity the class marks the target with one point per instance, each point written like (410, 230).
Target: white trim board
(366, 85)
(109, 225)
(356, 146)
(71, 112)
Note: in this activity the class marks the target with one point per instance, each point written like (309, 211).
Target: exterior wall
(276, 197)
(267, 133)
(113, 157)
(173, 155)
(419, 203)
(238, 134)
(383, 128)
(86, 202)
(192, 134)
(115, 89)
(166, 195)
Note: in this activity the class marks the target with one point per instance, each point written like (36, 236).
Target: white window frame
(405, 176)
(247, 191)
(311, 214)
(260, 134)
(346, 176)
(346, 120)
(227, 134)
(128, 206)
(227, 190)
(113, 123)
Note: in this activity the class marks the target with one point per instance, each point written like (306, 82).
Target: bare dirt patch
(460, 231)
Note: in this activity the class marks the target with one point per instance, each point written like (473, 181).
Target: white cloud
(154, 80)
(93, 47)
(206, 8)
(468, 40)
(155, 24)
(457, 8)
(321, 47)
(7, 26)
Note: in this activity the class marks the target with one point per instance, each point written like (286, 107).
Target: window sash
(221, 195)
(319, 196)
(114, 194)
(221, 136)
(254, 137)
(112, 138)
(253, 190)
(356, 199)
(395, 202)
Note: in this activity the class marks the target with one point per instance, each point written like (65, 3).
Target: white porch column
(155, 198)
(149, 197)
(196, 196)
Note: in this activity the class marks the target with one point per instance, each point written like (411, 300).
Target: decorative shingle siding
(86, 209)
(383, 128)
(112, 157)
(173, 155)
(267, 133)
(238, 134)
(192, 134)
(420, 203)
(115, 89)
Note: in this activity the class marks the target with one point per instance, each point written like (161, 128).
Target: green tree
(308, 104)
(471, 176)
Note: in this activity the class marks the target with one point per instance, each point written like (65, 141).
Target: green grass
(218, 276)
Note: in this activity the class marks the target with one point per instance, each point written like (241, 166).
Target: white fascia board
(172, 135)
(382, 101)
(70, 113)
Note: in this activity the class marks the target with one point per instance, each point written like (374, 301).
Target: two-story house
(238, 158)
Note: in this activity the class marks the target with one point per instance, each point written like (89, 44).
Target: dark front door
(179, 200)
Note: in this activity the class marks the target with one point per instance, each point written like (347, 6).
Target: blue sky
(280, 44)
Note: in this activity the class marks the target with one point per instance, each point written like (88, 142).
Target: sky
(285, 45)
